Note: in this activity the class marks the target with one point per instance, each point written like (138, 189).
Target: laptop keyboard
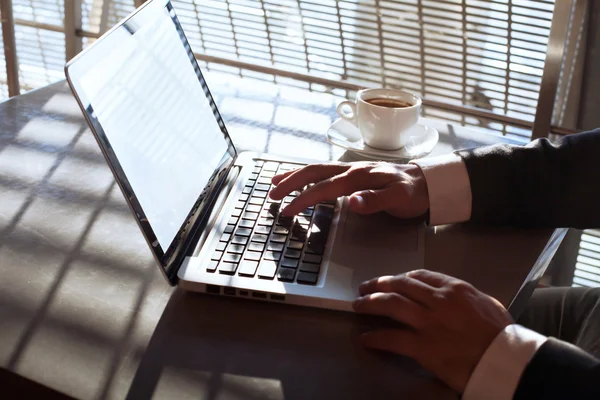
(259, 243)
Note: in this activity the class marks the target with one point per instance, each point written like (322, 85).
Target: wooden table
(84, 310)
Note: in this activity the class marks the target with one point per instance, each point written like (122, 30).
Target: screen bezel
(169, 259)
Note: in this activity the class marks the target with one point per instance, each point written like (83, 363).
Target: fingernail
(357, 302)
(359, 200)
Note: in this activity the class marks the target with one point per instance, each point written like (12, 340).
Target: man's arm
(538, 185)
(560, 370)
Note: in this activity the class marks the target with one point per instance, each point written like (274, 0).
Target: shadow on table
(201, 349)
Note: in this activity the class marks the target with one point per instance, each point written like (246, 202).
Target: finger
(399, 341)
(326, 190)
(372, 201)
(340, 185)
(402, 284)
(279, 177)
(435, 279)
(303, 176)
(392, 305)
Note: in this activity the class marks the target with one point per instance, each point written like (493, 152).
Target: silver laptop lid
(158, 126)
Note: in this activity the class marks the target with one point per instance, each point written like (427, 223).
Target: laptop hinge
(218, 205)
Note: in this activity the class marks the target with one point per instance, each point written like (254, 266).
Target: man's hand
(451, 324)
(400, 190)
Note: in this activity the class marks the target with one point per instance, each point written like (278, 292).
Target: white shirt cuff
(498, 372)
(449, 188)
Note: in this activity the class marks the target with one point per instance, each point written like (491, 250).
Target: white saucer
(423, 139)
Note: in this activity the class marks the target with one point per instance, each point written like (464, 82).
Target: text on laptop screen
(158, 121)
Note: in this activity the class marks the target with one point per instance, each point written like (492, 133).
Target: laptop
(203, 206)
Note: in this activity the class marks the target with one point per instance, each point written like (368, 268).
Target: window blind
(485, 54)
(3, 77)
(587, 268)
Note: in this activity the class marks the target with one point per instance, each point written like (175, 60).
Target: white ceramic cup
(382, 127)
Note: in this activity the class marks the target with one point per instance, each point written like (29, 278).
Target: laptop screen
(153, 114)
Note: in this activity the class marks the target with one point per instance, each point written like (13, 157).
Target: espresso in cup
(384, 117)
(391, 103)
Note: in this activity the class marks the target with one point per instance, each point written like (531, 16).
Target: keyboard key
(254, 208)
(304, 221)
(288, 199)
(299, 233)
(273, 255)
(240, 204)
(243, 232)
(260, 194)
(285, 221)
(278, 238)
(263, 187)
(236, 249)
(308, 267)
(229, 228)
(247, 223)
(256, 170)
(274, 207)
(275, 246)
(256, 246)
(221, 246)
(252, 255)
(267, 269)
(295, 193)
(294, 244)
(318, 237)
(270, 200)
(307, 213)
(225, 237)
(269, 213)
(239, 240)
(233, 221)
(216, 256)
(290, 167)
(286, 274)
(263, 230)
(247, 190)
(268, 174)
(227, 268)
(259, 163)
(291, 253)
(264, 181)
(260, 238)
(236, 212)
(253, 176)
(248, 268)
(307, 278)
(281, 230)
(288, 262)
(257, 201)
(244, 197)
(266, 221)
(212, 266)
(250, 215)
(270, 166)
(312, 258)
(232, 258)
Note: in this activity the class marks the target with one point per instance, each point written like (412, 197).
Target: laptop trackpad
(376, 245)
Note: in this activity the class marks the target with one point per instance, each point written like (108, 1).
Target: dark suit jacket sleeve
(559, 370)
(538, 185)
(543, 185)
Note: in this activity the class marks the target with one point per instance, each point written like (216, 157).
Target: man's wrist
(499, 370)
(448, 188)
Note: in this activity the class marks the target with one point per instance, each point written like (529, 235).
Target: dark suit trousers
(569, 314)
